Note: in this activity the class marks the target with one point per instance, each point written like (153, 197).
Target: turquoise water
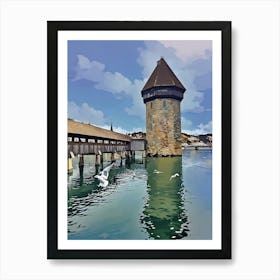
(154, 198)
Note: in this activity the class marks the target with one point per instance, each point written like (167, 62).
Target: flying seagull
(103, 176)
(173, 176)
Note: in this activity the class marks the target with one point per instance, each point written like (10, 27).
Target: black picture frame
(53, 27)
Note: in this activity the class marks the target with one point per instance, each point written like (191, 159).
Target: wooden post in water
(128, 156)
(81, 165)
(112, 157)
(97, 163)
(70, 165)
(121, 156)
(101, 160)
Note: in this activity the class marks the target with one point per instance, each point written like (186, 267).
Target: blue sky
(105, 79)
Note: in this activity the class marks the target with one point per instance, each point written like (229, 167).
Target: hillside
(186, 139)
(200, 140)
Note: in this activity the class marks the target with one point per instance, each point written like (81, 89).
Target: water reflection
(143, 200)
(110, 212)
(164, 215)
(83, 189)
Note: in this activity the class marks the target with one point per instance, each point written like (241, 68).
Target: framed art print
(139, 140)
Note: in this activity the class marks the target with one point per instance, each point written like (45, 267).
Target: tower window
(151, 105)
(164, 103)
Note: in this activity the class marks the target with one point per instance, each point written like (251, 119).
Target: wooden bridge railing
(86, 148)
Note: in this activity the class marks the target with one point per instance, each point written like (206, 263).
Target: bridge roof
(163, 76)
(94, 131)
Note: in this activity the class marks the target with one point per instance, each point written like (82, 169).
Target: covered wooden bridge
(86, 139)
(89, 139)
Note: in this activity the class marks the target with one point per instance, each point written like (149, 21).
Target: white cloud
(192, 101)
(186, 50)
(201, 129)
(122, 130)
(85, 63)
(85, 113)
(138, 106)
(185, 123)
(151, 53)
(94, 71)
(116, 83)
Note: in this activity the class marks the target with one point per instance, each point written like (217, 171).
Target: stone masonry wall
(163, 127)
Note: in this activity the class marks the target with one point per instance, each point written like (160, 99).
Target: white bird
(173, 176)
(157, 172)
(103, 176)
(102, 182)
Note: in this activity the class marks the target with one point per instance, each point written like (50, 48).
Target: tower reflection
(164, 215)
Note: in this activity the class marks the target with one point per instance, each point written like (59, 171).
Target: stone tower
(162, 95)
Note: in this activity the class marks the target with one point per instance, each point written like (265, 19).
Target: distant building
(162, 95)
(138, 135)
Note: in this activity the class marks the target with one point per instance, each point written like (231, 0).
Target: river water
(153, 198)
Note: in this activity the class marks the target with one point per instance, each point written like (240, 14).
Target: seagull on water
(157, 172)
(173, 176)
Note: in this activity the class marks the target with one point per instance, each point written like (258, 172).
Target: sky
(105, 79)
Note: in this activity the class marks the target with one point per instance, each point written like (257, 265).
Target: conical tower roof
(163, 76)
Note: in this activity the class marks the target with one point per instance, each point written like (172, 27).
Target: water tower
(162, 95)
